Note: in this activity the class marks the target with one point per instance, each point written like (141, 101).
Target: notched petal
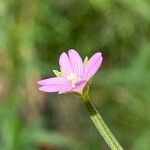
(92, 65)
(65, 64)
(76, 62)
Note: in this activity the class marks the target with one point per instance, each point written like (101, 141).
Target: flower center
(72, 77)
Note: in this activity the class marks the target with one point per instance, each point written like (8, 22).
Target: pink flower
(74, 74)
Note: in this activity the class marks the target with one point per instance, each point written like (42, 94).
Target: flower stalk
(100, 124)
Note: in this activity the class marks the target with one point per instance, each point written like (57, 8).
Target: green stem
(100, 125)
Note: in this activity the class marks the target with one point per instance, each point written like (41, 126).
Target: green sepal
(57, 73)
(85, 60)
(85, 91)
(86, 88)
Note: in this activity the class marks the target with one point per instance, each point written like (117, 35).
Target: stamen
(72, 77)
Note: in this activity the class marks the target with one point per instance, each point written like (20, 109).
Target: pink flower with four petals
(74, 74)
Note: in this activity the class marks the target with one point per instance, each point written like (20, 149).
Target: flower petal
(65, 64)
(55, 88)
(76, 62)
(55, 84)
(92, 65)
(51, 81)
(79, 86)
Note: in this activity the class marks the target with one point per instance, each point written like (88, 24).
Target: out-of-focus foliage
(32, 36)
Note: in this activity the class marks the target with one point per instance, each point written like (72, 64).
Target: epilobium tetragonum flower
(74, 76)
(74, 73)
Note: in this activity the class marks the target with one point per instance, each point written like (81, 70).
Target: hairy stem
(100, 125)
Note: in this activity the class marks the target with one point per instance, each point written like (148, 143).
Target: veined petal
(76, 62)
(65, 64)
(55, 88)
(55, 84)
(79, 86)
(92, 65)
(51, 81)
(81, 82)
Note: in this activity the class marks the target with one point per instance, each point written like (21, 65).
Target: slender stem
(100, 125)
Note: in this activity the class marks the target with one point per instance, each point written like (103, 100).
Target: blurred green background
(33, 33)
